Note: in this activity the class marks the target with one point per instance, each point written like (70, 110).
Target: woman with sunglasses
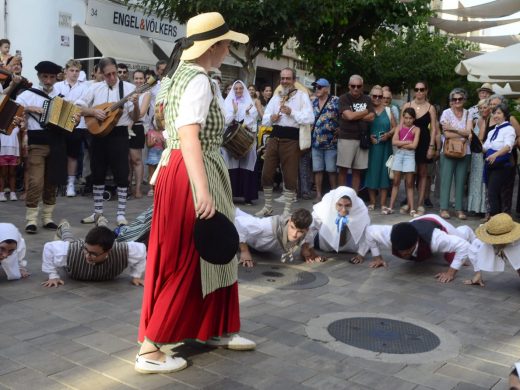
(426, 121)
(381, 137)
(454, 125)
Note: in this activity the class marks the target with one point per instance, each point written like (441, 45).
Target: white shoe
(102, 221)
(280, 199)
(235, 342)
(71, 191)
(63, 224)
(121, 220)
(12, 196)
(265, 212)
(92, 218)
(171, 364)
(2, 197)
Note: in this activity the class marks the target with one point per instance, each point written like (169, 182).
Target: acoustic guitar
(113, 112)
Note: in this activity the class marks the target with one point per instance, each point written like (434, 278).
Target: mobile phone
(18, 53)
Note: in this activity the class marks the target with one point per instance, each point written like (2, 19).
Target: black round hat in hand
(216, 239)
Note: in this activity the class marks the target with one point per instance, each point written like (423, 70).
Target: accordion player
(9, 109)
(59, 113)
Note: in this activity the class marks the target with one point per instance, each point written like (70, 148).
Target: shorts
(154, 155)
(137, 140)
(350, 155)
(324, 160)
(8, 161)
(404, 161)
(73, 142)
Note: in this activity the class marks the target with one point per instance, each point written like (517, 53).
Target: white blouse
(506, 137)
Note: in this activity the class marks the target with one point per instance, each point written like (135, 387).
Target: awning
(493, 9)
(121, 46)
(502, 64)
(461, 27)
(165, 46)
(498, 40)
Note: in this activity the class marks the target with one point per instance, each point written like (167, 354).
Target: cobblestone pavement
(83, 335)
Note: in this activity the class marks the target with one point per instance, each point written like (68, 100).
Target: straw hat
(486, 87)
(206, 30)
(500, 229)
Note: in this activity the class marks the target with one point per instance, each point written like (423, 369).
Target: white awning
(165, 46)
(499, 40)
(461, 27)
(502, 64)
(121, 46)
(493, 9)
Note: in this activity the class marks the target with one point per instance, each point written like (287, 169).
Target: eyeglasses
(457, 99)
(419, 89)
(377, 96)
(90, 253)
(356, 86)
(122, 72)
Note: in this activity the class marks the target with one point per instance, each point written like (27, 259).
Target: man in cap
(357, 112)
(324, 135)
(47, 158)
(112, 149)
(418, 240)
(286, 112)
(498, 241)
(484, 92)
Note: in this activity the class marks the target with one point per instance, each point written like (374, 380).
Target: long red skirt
(173, 308)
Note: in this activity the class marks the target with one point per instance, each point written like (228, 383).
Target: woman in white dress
(240, 107)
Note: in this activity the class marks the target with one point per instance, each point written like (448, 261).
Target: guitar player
(110, 150)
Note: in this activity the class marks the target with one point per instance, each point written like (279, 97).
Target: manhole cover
(282, 277)
(383, 335)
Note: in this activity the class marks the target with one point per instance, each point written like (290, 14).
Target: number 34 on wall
(93, 12)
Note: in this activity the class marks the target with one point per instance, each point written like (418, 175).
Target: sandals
(404, 209)
(414, 214)
(386, 210)
(445, 214)
(420, 211)
(461, 216)
(371, 207)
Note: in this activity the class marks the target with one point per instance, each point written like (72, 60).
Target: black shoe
(31, 229)
(428, 203)
(50, 225)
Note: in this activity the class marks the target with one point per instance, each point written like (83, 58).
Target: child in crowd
(10, 152)
(406, 140)
(155, 143)
(5, 46)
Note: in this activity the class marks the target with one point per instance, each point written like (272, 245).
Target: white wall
(33, 27)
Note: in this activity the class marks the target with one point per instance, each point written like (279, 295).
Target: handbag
(455, 148)
(389, 163)
(305, 137)
(364, 139)
(475, 145)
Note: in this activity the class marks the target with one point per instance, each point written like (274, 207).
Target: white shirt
(506, 137)
(12, 264)
(55, 254)
(100, 93)
(484, 257)
(301, 111)
(28, 98)
(72, 93)
(379, 236)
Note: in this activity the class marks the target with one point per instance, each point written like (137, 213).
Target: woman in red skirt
(185, 296)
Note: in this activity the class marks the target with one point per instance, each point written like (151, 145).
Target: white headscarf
(244, 102)
(325, 210)
(12, 264)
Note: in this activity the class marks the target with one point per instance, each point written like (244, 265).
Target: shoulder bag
(456, 147)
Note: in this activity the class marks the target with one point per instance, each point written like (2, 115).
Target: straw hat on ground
(500, 229)
(206, 30)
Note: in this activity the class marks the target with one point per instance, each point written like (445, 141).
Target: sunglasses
(356, 86)
(457, 99)
(122, 71)
(318, 87)
(419, 89)
(377, 96)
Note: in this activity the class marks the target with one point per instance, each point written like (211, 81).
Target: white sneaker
(121, 220)
(283, 199)
(171, 364)
(12, 196)
(2, 197)
(102, 221)
(71, 191)
(235, 342)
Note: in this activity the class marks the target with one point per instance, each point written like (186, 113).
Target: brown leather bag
(455, 147)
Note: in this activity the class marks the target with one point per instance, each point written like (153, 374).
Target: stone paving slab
(82, 335)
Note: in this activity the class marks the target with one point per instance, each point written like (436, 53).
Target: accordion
(59, 113)
(8, 110)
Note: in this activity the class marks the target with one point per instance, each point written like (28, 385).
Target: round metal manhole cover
(383, 335)
(282, 277)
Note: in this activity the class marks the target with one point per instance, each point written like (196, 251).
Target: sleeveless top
(213, 276)
(406, 134)
(78, 268)
(425, 228)
(423, 121)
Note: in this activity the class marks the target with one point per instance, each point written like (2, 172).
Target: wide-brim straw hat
(500, 229)
(206, 30)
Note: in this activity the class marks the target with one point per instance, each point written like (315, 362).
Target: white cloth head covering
(12, 264)
(243, 102)
(327, 213)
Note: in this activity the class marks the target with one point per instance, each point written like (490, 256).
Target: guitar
(113, 112)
